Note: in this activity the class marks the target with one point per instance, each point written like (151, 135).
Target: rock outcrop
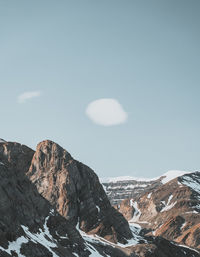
(25, 216)
(76, 193)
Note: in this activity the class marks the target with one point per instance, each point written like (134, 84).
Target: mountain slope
(171, 210)
(75, 191)
(121, 188)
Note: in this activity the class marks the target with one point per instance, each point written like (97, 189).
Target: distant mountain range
(120, 188)
(168, 206)
(54, 206)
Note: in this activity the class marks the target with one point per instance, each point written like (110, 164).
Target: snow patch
(149, 195)
(166, 177)
(122, 178)
(98, 208)
(168, 207)
(15, 246)
(192, 182)
(172, 174)
(42, 237)
(137, 212)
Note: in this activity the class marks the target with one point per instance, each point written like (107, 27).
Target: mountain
(121, 188)
(74, 190)
(54, 206)
(170, 210)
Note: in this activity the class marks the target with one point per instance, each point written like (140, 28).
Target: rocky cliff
(76, 193)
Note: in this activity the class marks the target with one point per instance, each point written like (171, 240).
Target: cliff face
(26, 218)
(76, 193)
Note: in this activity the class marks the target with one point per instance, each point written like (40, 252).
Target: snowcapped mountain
(54, 206)
(171, 210)
(120, 188)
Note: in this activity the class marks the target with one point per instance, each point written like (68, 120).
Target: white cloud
(106, 112)
(28, 95)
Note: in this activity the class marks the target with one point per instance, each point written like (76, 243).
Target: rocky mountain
(54, 206)
(121, 188)
(171, 210)
(74, 190)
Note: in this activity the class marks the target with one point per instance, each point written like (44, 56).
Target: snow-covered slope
(173, 174)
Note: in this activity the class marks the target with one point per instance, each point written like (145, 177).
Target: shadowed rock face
(24, 211)
(75, 191)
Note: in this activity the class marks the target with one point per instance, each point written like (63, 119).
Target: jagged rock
(21, 206)
(75, 191)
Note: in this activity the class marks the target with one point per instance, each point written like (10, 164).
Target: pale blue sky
(145, 54)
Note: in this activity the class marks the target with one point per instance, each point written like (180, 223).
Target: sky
(115, 83)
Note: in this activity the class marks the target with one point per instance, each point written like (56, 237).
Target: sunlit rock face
(75, 191)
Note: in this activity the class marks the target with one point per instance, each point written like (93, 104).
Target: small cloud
(28, 95)
(106, 112)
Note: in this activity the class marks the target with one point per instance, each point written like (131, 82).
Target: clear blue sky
(145, 54)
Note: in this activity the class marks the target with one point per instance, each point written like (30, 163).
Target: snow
(137, 212)
(104, 187)
(194, 212)
(168, 207)
(183, 225)
(2, 141)
(169, 200)
(184, 246)
(122, 178)
(149, 195)
(135, 228)
(98, 208)
(130, 186)
(172, 174)
(169, 175)
(15, 246)
(43, 237)
(192, 182)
